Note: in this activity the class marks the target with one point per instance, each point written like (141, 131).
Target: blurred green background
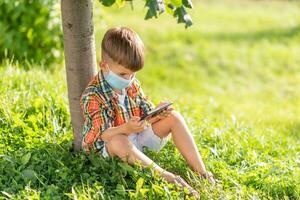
(234, 75)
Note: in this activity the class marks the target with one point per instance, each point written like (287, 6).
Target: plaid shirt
(101, 109)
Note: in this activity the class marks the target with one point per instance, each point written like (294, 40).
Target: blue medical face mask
(116, 81)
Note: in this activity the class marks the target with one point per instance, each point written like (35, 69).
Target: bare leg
(120, 146)
(182, 138)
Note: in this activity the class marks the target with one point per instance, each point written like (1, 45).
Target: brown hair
(124, 47)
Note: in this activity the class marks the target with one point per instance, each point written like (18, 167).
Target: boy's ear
(103, 64)
(104, 67)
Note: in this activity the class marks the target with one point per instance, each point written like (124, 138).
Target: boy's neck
(117, 91)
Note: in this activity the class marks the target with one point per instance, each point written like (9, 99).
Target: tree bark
(80, 56)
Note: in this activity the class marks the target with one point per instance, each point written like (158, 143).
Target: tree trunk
(80, 57)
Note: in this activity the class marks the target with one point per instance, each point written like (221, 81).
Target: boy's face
(117, 69)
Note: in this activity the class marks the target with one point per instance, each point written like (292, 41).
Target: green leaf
(158, 189)
(29, 174)
(149, 14)
(94, 160)
(30, 35)
(183, 17)
(25, 159)
(139, 184)
(143, 191)
(155, 7)
(107, 3)
(120, 189)
(126, 167)
(7, 158)
(187, 3)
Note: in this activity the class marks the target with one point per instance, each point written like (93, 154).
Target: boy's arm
(131, 126)
(98, 125)
(95, 120)
(110, 132)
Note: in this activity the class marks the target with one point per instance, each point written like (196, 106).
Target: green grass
(235, 76)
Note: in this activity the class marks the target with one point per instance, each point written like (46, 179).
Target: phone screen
(156, 110)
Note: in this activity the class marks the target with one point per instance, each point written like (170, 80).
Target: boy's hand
(161, 115)
(210, 177)
(135, 125)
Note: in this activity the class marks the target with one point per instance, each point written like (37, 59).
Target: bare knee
(175, 117)
(119, 145)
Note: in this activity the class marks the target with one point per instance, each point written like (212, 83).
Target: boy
(113, 103)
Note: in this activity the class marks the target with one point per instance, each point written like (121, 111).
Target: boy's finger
(140, 123)
(160, 117)
(170, 108)
(136, 124)
(165, 113)
(168, 113)
(140, 129)
(135, 118)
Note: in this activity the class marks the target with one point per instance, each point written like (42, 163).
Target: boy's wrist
(110, 132)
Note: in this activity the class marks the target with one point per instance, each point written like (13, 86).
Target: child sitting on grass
(113, 103)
